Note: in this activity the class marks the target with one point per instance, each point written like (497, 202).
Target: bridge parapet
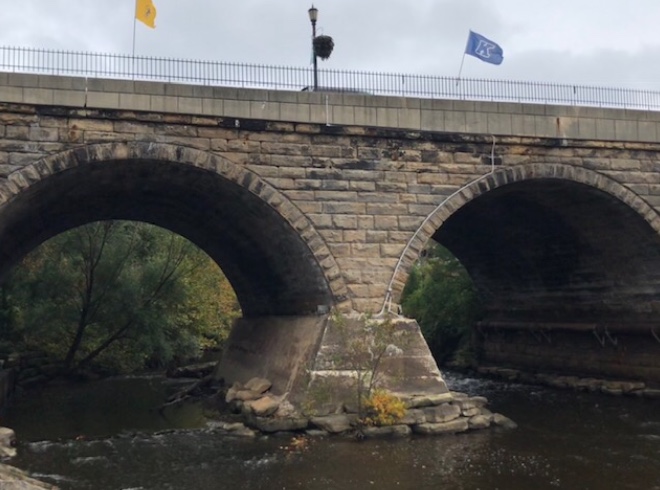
(415, 114)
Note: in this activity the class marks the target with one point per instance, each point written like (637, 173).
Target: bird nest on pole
(323, 46)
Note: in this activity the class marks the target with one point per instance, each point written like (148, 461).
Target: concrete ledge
(496, 118)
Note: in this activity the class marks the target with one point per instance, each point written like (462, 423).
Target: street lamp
(313, 16)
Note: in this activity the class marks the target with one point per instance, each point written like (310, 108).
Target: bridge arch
(534, 258)
(276, 261)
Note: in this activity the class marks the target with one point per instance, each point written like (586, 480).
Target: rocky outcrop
(7, 443)
(596, 385)
(12, 478)
(446, 413)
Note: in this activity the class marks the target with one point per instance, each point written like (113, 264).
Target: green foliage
(118, 296)
(440, 295)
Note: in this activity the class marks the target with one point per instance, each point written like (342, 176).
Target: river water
(106, 435)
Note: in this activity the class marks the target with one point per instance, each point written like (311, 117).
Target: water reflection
(564, 440)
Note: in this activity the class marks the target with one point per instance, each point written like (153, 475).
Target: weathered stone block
(442, 413)
(451, 427)
(387, 431)
(333, 424)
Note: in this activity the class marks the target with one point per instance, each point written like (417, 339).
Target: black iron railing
(214, 73)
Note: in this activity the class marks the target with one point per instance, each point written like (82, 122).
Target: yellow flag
(145, 12)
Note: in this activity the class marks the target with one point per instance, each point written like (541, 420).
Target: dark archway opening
(270, 266)
(557, 251)
(568, 276)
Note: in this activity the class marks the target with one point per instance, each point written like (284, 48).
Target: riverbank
(576, 383)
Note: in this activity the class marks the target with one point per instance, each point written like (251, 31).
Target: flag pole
(460, 70)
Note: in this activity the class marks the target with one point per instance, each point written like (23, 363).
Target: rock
(193, 371)
(278, 424)
(413, 416)
(504, 422)
(243, 432)
(428, 401)
(7, 443)
(479, 422)
(632, 386)
(486, 413)
(387, 431)
(247, 395)
(316, 433)
(333, 424)
(442, 413)
(286, 410)
(264, 406)
(470, 412)
(14, 479)
(458, 395)
(652, 393)
(451, 427)
(259, 385)
(233, 428)
(231, 392)
(611, 391)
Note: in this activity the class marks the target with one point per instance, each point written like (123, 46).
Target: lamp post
(313, 16)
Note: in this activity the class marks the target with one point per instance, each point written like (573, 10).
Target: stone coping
(477, 117)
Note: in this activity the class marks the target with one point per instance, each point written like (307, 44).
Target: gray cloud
(594, 42)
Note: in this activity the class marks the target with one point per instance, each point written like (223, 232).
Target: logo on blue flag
(484, 49)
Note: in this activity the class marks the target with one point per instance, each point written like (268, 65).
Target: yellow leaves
(383, 408)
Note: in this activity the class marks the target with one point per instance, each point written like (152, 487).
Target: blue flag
(484, 49)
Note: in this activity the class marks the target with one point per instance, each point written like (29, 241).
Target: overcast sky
(604, 42)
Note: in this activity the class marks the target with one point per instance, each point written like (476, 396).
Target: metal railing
(214, 73)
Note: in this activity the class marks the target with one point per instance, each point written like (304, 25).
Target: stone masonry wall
(366, 190)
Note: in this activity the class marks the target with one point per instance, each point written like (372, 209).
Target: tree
(440, 295)
(365, 343)
(120, 295)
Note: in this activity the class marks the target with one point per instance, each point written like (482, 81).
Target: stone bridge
(313, 201)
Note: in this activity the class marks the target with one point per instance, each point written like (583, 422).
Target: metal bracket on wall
(655, 335)
(541, 335)
(605, 337)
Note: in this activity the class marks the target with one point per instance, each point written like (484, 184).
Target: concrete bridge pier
(311, 360)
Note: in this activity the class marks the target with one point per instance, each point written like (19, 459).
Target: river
(105, 435)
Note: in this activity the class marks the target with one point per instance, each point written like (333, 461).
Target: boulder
(442, 413)
(247, 395)
(231, 392)
(387, 431)
(479, 422)
(264, 406)
(14, 479)
(502, 421)
(259, 385)
(428, 400)
(451, 427)
(413, 416)
(7, 443)
(333, 424)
